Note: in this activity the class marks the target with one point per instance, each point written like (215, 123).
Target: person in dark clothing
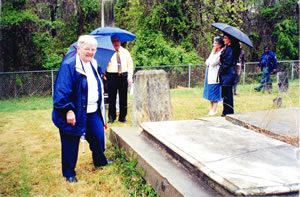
(238, 69)
(229, 58)
(119, 74)
(78, 106)
(267, 64)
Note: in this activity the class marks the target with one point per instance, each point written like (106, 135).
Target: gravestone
(268, 88)
(277, 102)
(151, 97)
(283, 82)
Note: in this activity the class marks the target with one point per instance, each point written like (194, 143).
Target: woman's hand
(71, 118)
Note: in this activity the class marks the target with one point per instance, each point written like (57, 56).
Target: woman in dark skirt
(212, 88)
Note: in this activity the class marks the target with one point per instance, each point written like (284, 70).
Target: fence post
(292, 72)
(189, 75)
(52, 82)
(244, 73)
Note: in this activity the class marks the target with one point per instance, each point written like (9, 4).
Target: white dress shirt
(126, 62)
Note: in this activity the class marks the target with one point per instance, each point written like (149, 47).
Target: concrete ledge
(164, 175)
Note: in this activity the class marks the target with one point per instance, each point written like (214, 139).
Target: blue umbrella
(234, 32)
(105, 51)
(111, 31)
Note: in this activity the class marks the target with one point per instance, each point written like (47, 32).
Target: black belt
(123, 74)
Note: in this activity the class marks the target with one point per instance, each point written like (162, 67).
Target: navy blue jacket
(269, 60)
(70, 93)
(227, 67)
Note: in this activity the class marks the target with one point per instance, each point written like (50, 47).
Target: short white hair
(87, 39)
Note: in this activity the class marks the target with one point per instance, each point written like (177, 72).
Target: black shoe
(223, 115)
(256, 89)
(122, 120)
(108, 162)
(110, 121)
(71, 179)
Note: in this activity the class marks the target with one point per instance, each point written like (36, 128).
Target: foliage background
(36, 34)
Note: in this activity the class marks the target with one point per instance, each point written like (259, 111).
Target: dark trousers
(265, 78)
(117, 82)
(227, 100)
(70, 144)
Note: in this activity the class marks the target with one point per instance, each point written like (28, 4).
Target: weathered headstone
(151, 100)
(277, 102)
(268, 88)
(283, 82)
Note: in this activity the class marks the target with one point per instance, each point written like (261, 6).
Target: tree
(180, 24)
(281, 27)
(36, 35)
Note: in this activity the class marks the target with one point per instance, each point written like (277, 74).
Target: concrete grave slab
(242, 161)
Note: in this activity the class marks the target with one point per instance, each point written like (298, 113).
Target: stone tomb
(241, 161)
(191, 157)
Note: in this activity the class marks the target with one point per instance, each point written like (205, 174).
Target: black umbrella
(234, 32)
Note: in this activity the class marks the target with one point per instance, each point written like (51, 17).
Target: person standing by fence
(267, 64)
(229, 58)
(212, 88)
(119, 74)
(78, 106)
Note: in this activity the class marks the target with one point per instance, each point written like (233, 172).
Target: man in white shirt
(119, 76)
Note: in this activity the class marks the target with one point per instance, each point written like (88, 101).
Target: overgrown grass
(31, 165)
(30, 146)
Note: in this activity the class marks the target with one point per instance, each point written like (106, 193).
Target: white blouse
(213, 64)
(93, 94)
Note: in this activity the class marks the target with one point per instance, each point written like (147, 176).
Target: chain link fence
(31, 83)
(194, 75)
(41, 83)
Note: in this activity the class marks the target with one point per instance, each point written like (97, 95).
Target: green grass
(30, 145)
(26, 103)
(189, 104)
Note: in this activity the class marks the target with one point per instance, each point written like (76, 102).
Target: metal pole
(244, 73)
(52, 81)
(189, 76)
(292, 71)
(102, 13)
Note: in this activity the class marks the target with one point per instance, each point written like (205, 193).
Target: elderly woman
(212, 88)
(229, 58)
(79, 106)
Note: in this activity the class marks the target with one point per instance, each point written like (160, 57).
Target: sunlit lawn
(189, 104)
(30, 162)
